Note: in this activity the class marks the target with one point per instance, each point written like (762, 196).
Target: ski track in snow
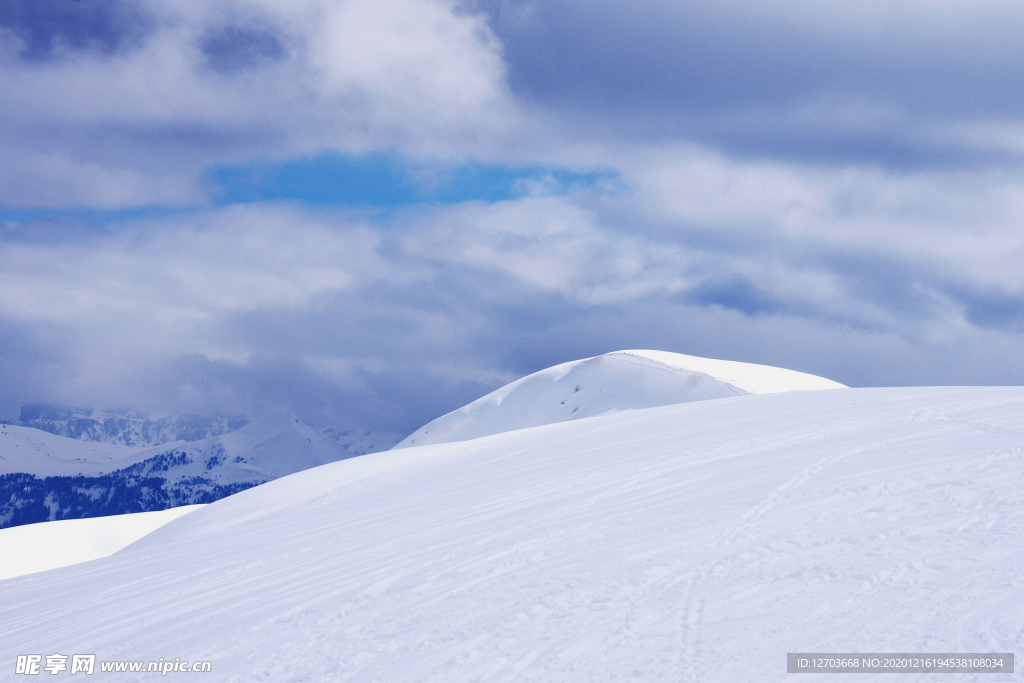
(692, 607)
(698, 542)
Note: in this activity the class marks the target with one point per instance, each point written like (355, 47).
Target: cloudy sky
(374, 211)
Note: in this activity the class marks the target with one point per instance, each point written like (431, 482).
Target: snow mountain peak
(621, 380)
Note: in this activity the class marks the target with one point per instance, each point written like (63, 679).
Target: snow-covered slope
(621, 380)
(357, 441)
(269, 447)
(24, 449)
(49, 545)
(692, 542)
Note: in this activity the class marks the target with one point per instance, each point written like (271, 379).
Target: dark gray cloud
(992, 309)
(30, 366)
(734, 292)
(838, 83)
(50, 29)
(230, 49)
(390, 402)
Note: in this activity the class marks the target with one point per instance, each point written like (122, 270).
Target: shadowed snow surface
(622, 380)
(693, 542)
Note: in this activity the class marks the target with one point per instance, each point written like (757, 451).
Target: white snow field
(49, 545)
(692, 542)
(621, 380)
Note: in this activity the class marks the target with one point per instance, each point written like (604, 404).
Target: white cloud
(168, 287)
(963, 224)
(314, 308)
(140, 126)
(552, 244)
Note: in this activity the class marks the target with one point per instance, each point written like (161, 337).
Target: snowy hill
(692, 542)
(622, 380)
(45, 477)
(126, 428)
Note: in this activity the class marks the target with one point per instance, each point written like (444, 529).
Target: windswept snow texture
(621, 380)
(693, 542)
(38, 547)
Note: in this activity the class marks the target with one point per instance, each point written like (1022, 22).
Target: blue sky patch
(10, 215)
(374, 180)
(387, 181)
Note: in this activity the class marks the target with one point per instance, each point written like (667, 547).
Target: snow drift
(621, 380)
(692, 542)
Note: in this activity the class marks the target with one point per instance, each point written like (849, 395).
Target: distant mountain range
(126, 428)
(132, 428)
(360, 441)
(45, 476)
